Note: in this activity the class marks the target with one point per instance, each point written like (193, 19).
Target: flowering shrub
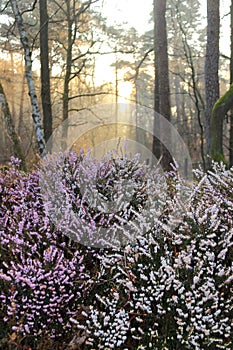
(102, 203)
(42, 275)
(171, 290)
(167, 285)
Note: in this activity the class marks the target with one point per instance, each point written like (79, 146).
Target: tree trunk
(211, 68)
(231, 82)
(221, 107)
(45, 74)
(156, 145)
(162, 95)
(10, 127)
(12, 88)
(116, 92)
(29, 75)
(65, 101)
(21, 106)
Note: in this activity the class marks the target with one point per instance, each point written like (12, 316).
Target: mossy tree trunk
(231, 81)
(220, 109)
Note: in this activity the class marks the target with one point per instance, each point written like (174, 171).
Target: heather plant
(104, 203)
(205, 263)
(42, 274)
(157, 272)
(172, 289)
(45, 276)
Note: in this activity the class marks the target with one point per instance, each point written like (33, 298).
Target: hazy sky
(137, 14)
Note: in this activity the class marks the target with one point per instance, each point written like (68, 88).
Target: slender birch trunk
(30, 81)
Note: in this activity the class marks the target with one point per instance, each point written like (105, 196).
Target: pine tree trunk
(156, 145)
(45, 74)
(211, 66)
(231, 82)
(65, 101)
(162, 94)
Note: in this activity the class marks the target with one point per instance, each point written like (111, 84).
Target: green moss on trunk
(220, 109)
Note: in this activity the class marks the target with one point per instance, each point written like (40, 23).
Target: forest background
(84, 53)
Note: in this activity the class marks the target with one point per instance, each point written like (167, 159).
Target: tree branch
(31, 9)
(224, 56)
(89, 95)
(5, 7)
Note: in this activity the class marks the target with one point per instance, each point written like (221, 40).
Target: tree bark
(156, 145)
(45, 73)
(211, 66)
(231, 82)
(12, 88)
(162, 94)
(21, 106)
(65, 101)
(10, 127)
(30, 81)
(220, 109)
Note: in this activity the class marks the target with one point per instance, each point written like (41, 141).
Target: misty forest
(116, 174)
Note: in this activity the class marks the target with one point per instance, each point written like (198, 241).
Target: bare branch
(73, 75)
(89, 95)
(135, 76)
(197, 95)
(31, 9)
(5, 7)
(111, 52)
(225, 56)
(60, 6)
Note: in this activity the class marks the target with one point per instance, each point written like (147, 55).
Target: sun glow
(125, 89)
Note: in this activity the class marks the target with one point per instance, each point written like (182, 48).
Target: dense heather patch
(171, 288)
(42, 274)
(103, 203)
